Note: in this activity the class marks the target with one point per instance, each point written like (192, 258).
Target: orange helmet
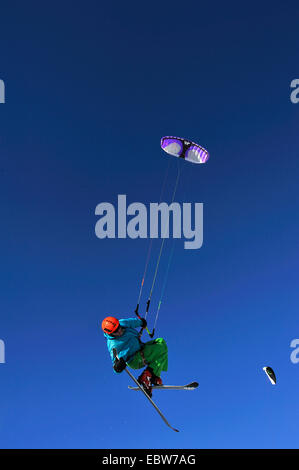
(110, 324)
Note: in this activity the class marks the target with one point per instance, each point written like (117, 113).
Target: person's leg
(156, 355)
(136, 362)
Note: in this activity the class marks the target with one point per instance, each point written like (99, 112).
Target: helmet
(110, 324)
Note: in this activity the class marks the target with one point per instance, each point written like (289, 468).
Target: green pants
(155, 354)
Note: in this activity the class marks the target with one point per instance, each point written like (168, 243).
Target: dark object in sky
(270, 373)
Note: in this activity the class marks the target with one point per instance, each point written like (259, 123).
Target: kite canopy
(185, 149)
(271, 375)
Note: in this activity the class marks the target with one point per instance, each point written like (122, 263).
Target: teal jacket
(128, 343)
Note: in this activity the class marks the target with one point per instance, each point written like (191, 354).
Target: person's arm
(119, 365)
(130, 322)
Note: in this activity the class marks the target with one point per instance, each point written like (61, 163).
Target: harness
(142, 355)
(142, 345)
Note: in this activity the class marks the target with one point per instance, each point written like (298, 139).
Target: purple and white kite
(183, 148)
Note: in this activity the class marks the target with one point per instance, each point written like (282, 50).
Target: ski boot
(156, 380)
(145, 381)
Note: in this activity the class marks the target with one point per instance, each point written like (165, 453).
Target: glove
(119, 365)
(144, 322)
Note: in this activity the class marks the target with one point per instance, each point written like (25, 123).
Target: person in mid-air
(123, 336)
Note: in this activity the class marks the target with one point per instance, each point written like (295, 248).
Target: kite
(270, 374)
(184, 148)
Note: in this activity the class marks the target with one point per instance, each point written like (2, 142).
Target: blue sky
(90, 90)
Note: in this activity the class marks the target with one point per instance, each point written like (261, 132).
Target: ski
(191, 386)
(147, 396)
